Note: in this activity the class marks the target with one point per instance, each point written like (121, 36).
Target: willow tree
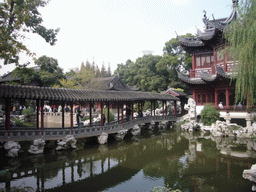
(241, 37)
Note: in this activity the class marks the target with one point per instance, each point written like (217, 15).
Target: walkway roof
(77, 95)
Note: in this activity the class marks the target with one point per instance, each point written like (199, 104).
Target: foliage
(26, 75)
(20, 123)
(49, 73)
(164, 189)
(181, 123)
(209, 115)
(157, 73)
(111, 115)
(28, 112)
(241, 37)
(83, 78)
(17, 18)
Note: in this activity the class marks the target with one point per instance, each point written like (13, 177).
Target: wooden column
(216, 98)
(132, 112)
(108, 111)
(42, 115)
(151, 107)
(90, 113)
(37, 114)
(63, 114)
(154, 108)
(227, 98)
(8, 115)
(175, 107)
(118, 115)
(71, 118)
(163, 107)
(194, 95)
(122, 113)
(101, 113)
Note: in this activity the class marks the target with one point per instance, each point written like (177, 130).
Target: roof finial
(235, 2)
(204, 14)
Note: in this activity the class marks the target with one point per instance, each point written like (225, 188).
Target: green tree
(84, 76)
(27, 76)
(103, 72)
(109, 70)
(17, 18)
(173, 48)
(209, 115)
(49, 73)
(241, 37)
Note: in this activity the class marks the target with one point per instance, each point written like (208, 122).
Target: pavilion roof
(205, 77)
(211, 35)
(77, 95)
(110, 83)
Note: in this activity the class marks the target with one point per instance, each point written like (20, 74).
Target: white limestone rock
(103, 138)
(66, 143)
(13, 148)
(136, 130)
(191, 108)
(250, 173)
(37, 147)
(121, 134)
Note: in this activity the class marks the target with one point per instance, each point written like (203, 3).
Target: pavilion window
(199, 98)
(204, 98)
(202, 61)
(220, 55)
(197, 61)
(209, 98)
(208, 60)
(212, 59)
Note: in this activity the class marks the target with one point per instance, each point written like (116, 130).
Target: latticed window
(204, 98)
(209, 98)
(220, 55)
(197, 61)
(199, 99)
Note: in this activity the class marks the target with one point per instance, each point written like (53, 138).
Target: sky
(113, 31)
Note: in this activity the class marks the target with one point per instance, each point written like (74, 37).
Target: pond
(167, 158)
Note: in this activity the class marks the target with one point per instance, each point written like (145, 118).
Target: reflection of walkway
(106, 168)
(58, 133)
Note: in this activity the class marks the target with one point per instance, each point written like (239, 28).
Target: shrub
(111, 115)
(209, 115)
(19, 123)
(28, 112)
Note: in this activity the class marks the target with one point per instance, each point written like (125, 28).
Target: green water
(185, 161)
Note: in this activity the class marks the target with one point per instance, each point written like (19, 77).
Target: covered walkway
(71, 97)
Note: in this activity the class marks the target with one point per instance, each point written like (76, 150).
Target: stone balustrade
(21, 134)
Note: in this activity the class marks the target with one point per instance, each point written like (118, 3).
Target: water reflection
(186, 161)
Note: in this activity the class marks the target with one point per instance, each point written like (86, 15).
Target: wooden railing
(21, 134)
